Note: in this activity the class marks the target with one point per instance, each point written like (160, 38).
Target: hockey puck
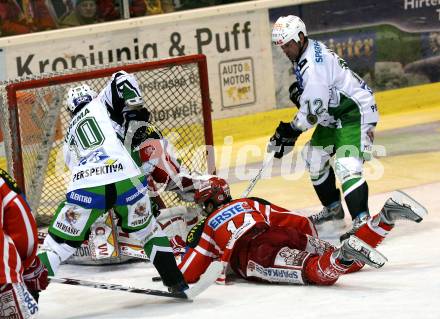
(156, 279)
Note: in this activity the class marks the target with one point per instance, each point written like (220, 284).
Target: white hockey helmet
(79, 95)
(286, 29)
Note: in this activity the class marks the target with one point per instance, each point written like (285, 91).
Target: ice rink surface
(408, 286)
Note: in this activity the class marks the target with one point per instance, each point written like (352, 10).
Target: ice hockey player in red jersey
(264, 242)
(22, 275)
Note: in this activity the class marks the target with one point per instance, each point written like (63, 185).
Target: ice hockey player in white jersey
(341, 106)
(123, 99)
(149, 148)
(104, 176)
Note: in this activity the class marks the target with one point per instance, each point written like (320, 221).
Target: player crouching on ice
(104, 176)
(264, 242)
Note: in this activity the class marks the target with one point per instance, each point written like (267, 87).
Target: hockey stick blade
(207, 279)
(106, 286)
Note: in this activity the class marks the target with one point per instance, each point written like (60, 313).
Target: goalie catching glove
(283, 140)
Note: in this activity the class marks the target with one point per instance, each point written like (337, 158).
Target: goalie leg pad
(103, 239)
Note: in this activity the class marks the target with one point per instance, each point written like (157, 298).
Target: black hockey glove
(295, 92)
(139, 114)
(283, 140)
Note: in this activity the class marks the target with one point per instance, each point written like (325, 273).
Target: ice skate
(400, 206)
(354, 249)
(331, 212)
(360, 220)
(179, 287)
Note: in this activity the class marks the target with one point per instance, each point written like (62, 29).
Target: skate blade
(373, 257)
(404, 199)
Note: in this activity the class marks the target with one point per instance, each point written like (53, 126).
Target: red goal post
(34, 119)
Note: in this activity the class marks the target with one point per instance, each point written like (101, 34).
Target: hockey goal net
(34, 119)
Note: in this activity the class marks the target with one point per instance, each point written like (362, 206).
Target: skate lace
(324, 213)
(357, 223)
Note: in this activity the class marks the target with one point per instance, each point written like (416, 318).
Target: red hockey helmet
(215, 190)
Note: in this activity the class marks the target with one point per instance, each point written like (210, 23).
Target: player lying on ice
(264, 242)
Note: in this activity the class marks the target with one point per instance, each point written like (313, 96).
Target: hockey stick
(208, 277)
(101, 285)
(257, 177)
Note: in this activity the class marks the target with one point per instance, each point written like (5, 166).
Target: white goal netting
(33, 120)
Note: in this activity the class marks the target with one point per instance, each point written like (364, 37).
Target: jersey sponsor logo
(80, 198)
(227, 213)
(29, 301)
(141, 210)
(139, 193)
(140, 214)
(69, 219)
(66, 228)
(139, 222)
(96, 156)
(71, 216)
(318, 52)
(102, 170)
(273, 274)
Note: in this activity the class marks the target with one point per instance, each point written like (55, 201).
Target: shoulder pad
(12, 184)
(195, 233)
